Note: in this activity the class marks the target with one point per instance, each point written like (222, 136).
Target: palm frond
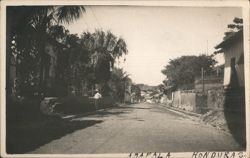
(69, 13)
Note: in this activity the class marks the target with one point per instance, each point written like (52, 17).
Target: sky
(155, 35)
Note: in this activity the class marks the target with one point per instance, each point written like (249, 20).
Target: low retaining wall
(194, 101)
(189, 101)
(224, 109)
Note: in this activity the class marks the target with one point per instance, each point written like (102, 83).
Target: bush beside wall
(81, 104)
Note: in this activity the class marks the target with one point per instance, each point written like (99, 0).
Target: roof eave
(226, 41)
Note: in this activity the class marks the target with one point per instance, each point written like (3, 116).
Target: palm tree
(120, 48)
(105, 47)
(33, 23)
(119, 82)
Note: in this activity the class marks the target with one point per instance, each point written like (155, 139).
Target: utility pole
(124, 92)
(92, 91)
(207, 47)
(202, 77)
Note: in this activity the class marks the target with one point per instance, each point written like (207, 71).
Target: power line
(98, 23)
(86, 24)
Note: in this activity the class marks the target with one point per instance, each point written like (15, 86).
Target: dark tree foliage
(181, 72)
(88, 60)
(235, 27)
(119, 78)
(161, 87)
(82, 62)
(105, 48)
(102, 68)
(29, 28)
(137, 91)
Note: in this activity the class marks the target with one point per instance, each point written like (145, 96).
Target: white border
(244, 4)
(246, 73)
(190, 3)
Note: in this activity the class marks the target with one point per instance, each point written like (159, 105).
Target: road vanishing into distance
(140, 127)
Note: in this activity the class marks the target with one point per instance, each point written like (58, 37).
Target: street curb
(187, 112)
(197, 116)
(87, 113)
(182, 111)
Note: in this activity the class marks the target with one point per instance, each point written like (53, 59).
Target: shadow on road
(25, 137)
(130, 107)
(104, 113)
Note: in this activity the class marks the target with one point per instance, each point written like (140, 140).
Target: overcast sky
(155, 35)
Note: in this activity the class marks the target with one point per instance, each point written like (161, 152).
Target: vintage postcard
(160, 79)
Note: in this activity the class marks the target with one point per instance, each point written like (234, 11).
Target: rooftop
(229, 39)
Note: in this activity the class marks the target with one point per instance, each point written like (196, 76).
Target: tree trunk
(41, 51)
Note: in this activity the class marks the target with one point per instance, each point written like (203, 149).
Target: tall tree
(88, 60)
(77, 69)
(117, 83)
(135, 89)
(236, 26)
(105, 47)
(181, 72)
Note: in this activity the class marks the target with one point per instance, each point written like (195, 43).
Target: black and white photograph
(115, 79)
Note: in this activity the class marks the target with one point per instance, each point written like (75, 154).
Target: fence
(208, 83)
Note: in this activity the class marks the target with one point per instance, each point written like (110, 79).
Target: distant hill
(145, 87)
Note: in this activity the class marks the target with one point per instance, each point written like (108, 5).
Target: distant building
(233, 50)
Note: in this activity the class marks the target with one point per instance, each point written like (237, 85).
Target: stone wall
(216, 99)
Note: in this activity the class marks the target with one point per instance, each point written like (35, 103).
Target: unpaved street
(140, 128)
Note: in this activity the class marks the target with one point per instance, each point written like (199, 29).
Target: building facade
(233, 50)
